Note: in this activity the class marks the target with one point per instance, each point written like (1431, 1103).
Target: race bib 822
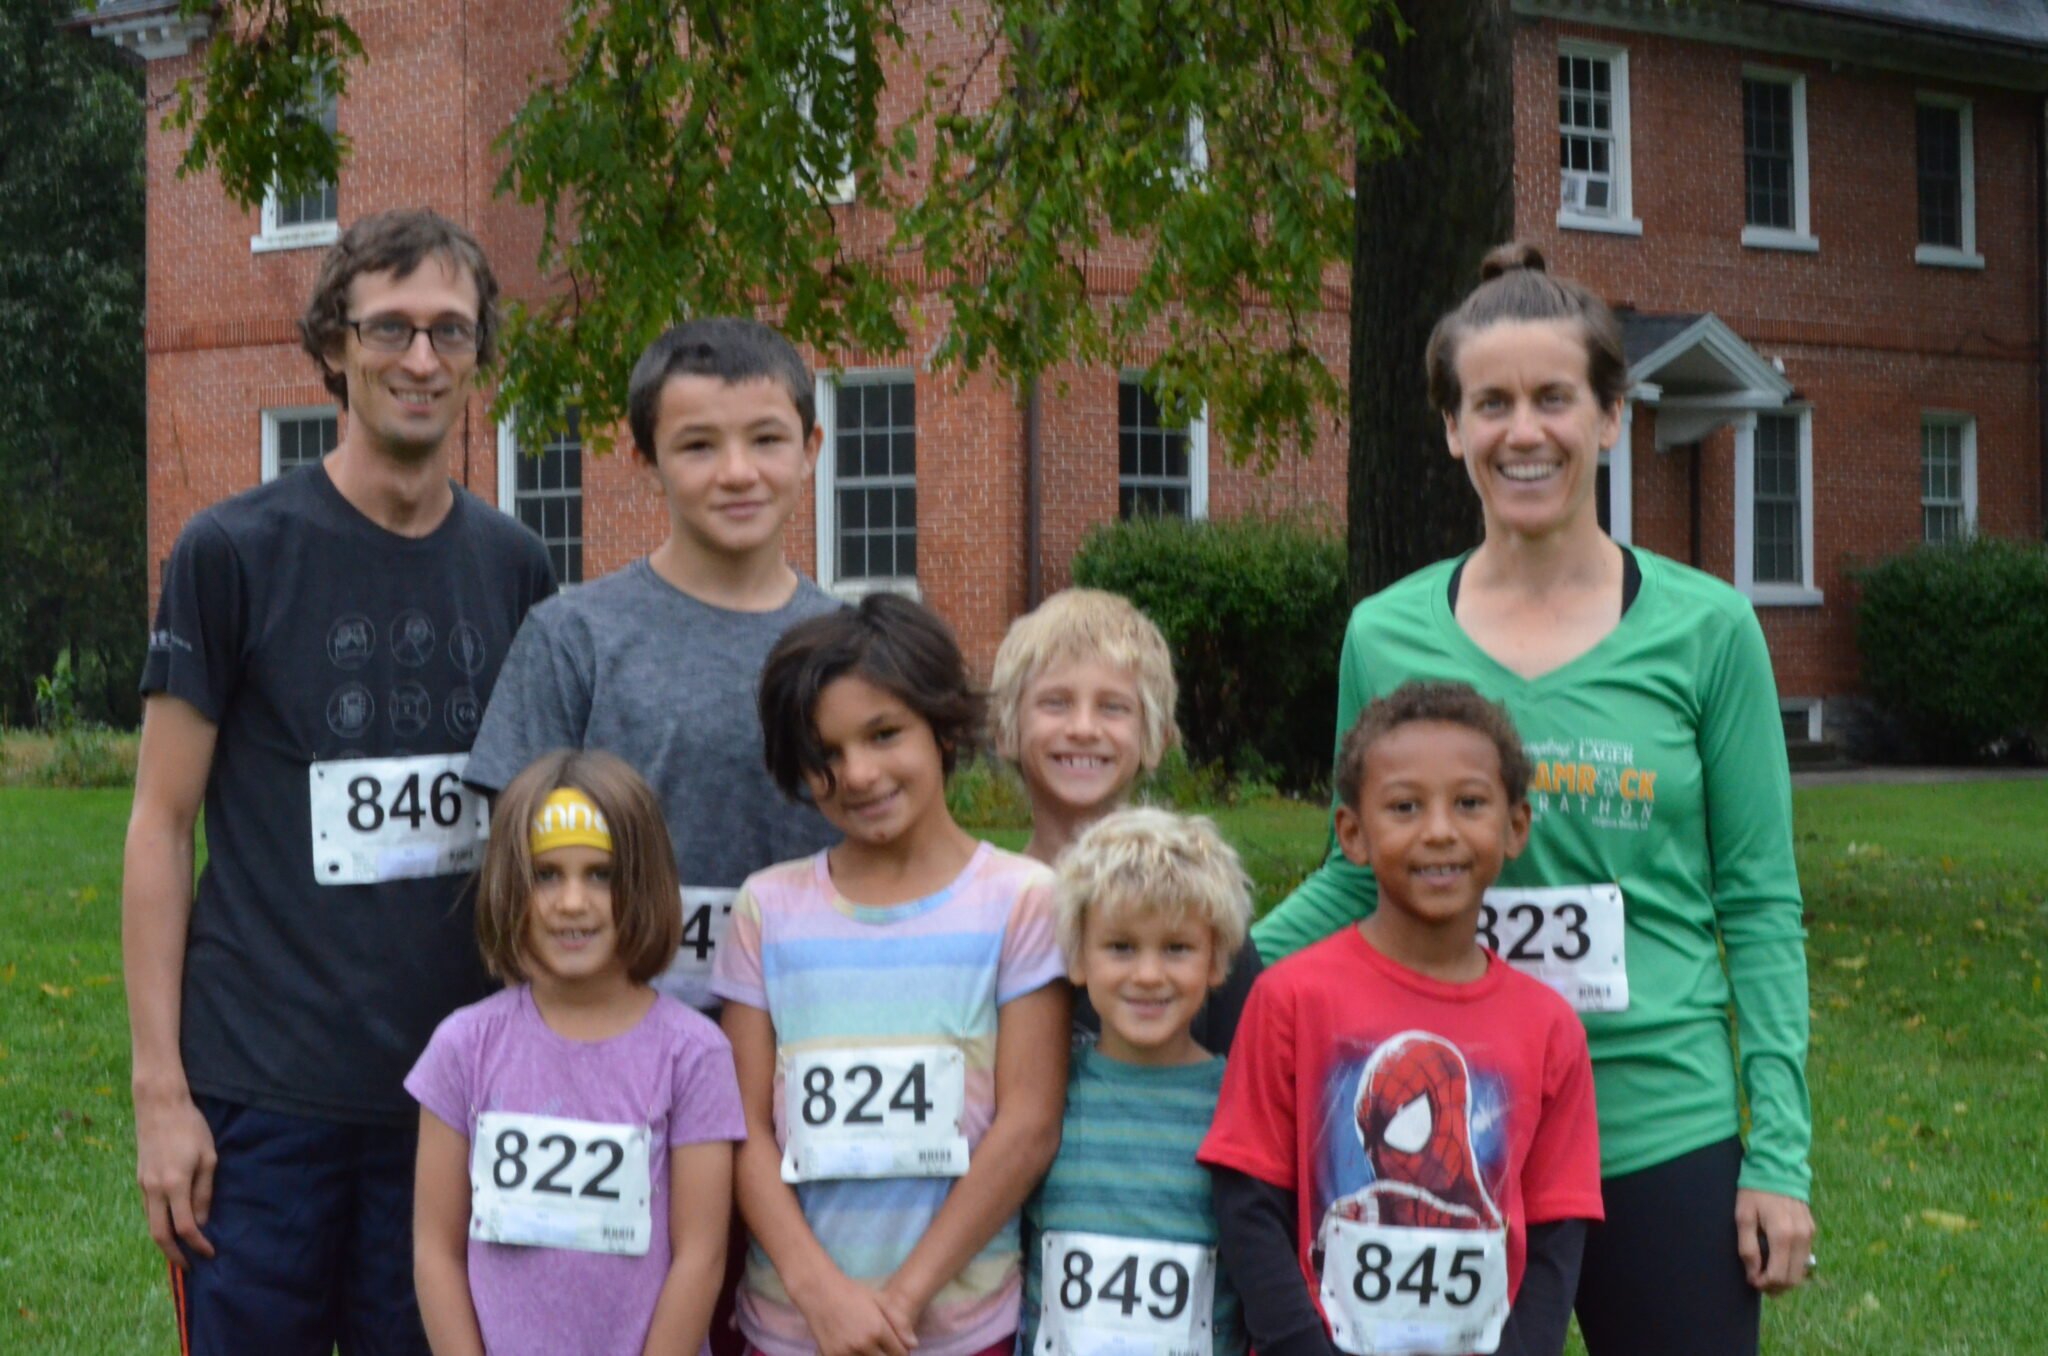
(551, 1182)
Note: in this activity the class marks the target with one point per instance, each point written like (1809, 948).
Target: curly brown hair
(1448, 703)
(394, 242)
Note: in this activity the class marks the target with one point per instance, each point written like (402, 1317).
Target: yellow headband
(568, 819)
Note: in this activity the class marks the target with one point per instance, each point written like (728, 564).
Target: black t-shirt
(320, 958)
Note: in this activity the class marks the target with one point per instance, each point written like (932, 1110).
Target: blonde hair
(647, 911)
(1151, 859)
(1076, 626)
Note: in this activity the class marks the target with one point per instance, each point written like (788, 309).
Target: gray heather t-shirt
(632, 665)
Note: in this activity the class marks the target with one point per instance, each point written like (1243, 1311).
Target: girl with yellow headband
(576, 1129)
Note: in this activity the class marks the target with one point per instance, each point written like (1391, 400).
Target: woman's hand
(1774, 1234)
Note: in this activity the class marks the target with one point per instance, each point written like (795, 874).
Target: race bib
(884, 1112)
(1397, 1291)
(379, 819)
(1568, 936)
(1107, 1296)
(549, 1182)
(707, 912)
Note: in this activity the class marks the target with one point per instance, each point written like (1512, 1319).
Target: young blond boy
(1082, 702)
(1406, 1147)
(1120, 1237)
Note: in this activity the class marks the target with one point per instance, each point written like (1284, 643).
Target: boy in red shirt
(1403, 1114)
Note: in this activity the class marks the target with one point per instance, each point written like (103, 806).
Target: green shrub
(1254, 610)
(1953, 640)
(985, 792)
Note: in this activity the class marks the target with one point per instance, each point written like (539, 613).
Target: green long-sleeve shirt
(1660, 766)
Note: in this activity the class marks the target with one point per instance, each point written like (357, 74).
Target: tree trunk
(1425, 218)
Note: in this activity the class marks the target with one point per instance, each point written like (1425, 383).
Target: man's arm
(174, 1155)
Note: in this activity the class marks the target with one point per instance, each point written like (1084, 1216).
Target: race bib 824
(885, 1111)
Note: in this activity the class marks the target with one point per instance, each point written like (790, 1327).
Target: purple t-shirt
(672, 1072)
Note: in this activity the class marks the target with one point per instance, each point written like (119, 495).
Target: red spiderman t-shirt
(1388, 1101)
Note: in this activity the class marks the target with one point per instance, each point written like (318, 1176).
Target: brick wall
(1866, 335)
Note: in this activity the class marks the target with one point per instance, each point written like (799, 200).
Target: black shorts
(311, 1226)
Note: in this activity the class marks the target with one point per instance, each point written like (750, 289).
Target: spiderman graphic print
(1414, 1114)
(1421, 1127)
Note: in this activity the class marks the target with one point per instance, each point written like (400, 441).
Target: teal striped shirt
(1126, 1168)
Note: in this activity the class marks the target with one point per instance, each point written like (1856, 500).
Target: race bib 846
(379, 819)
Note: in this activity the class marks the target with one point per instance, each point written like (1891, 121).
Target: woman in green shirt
(1659, 886)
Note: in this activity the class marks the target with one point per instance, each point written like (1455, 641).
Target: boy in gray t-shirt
(659, 662)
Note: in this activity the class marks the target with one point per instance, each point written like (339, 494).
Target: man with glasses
(321, 652)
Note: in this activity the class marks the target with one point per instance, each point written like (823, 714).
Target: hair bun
(1513, 255)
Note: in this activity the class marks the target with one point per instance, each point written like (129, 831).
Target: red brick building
(1824, 220)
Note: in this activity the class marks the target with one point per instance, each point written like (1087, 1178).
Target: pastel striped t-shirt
(834, 975)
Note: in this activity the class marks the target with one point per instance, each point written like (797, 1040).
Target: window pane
(547, 494)
(1153, 472)
(1940, 143)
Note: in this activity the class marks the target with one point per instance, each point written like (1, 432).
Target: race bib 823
(1571, 937)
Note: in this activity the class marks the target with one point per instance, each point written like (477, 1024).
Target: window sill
(1573, 221)
(1775, 238)
(1947, 256)
(853, 590)
(1785, 595)
(312, 236)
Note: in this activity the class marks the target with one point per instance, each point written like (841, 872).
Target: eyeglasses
(394, 334)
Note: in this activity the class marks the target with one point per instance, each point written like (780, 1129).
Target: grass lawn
(1929, 924)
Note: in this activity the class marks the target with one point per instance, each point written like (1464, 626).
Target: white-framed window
(1946, 178)
(1774, 508)
(1162, 467)
(301, 220)
(1948, 477)
(1802, 717)
(545, 492)
(836, 183)
(298, 435)
(1592, 138)
(1614, 494)
(1775, 208)
(867, 482)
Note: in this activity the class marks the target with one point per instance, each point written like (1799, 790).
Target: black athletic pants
(1661, 1276)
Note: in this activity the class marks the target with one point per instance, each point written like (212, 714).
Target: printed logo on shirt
(351, 641)
(465, 713)
(411, 709)
(1594, 779)
(467, 650)
(164, 641)
(350, 709)
(412, 638)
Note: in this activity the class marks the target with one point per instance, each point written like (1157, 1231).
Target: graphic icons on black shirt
(465, 712)
(411, 709)
(467, 649)
(412, 638)
(350, 710)
(351, 641)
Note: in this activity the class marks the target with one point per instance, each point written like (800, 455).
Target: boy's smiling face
(1434, 822)
(1080, 736)
(1147, 973)
(733, 461)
